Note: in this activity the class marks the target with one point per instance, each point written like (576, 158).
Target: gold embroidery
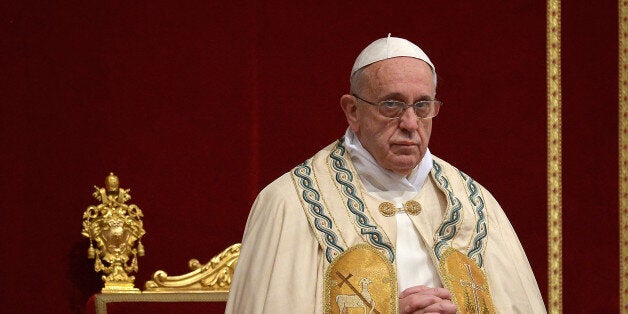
(387, 209)
(363, 278)
(466, 281)
(411, 207)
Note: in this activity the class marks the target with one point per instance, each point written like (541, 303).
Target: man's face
(396, 144)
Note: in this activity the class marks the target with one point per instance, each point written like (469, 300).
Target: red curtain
(197, 105)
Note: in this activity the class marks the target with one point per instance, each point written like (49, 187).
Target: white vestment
(414, 266)
(310, 215)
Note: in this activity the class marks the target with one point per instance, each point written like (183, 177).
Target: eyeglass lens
(423, 109)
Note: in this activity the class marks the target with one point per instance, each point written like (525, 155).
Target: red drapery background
(197, 105)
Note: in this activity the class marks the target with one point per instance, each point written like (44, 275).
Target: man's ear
(348, 104)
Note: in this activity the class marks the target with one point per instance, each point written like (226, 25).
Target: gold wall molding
(623, 155)
(554, 158)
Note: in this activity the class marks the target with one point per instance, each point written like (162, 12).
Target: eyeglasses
(424, 109)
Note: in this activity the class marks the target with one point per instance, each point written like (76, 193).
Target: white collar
(377, 179)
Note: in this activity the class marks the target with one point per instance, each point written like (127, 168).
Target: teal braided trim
(448, 229)
(322, 222)
(355, 205)
(481, 231)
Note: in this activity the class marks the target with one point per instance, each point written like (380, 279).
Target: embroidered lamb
(345, 301)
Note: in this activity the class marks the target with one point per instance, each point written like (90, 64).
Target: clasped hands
(423, 299)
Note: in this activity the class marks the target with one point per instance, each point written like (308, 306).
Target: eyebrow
(399, 97)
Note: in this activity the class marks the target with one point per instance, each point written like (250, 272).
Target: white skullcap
(387, 48)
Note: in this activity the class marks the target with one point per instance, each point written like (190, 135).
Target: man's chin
(403, 167)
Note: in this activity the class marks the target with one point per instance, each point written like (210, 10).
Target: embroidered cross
(474, 287)
(344, 279)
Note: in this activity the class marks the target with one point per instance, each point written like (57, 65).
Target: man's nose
(409, 120)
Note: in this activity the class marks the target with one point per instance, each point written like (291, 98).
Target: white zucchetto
(387, 48)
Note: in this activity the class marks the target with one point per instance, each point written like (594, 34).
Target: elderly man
(375, 222)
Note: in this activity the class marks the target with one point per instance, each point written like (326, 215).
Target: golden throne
(213, 277)
(208, 282)
(115, 229)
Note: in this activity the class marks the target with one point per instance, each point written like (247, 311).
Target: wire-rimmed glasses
(424, 109)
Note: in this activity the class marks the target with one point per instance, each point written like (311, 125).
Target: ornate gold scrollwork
(115, 228)
(214, 276)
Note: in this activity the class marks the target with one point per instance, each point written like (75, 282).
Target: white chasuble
(306, 219)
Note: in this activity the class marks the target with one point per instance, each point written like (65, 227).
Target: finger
(439, 292)
(417, 302)
(412, 290)
(443, 307)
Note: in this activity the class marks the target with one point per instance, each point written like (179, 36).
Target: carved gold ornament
(116, 229)
(215, 276)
